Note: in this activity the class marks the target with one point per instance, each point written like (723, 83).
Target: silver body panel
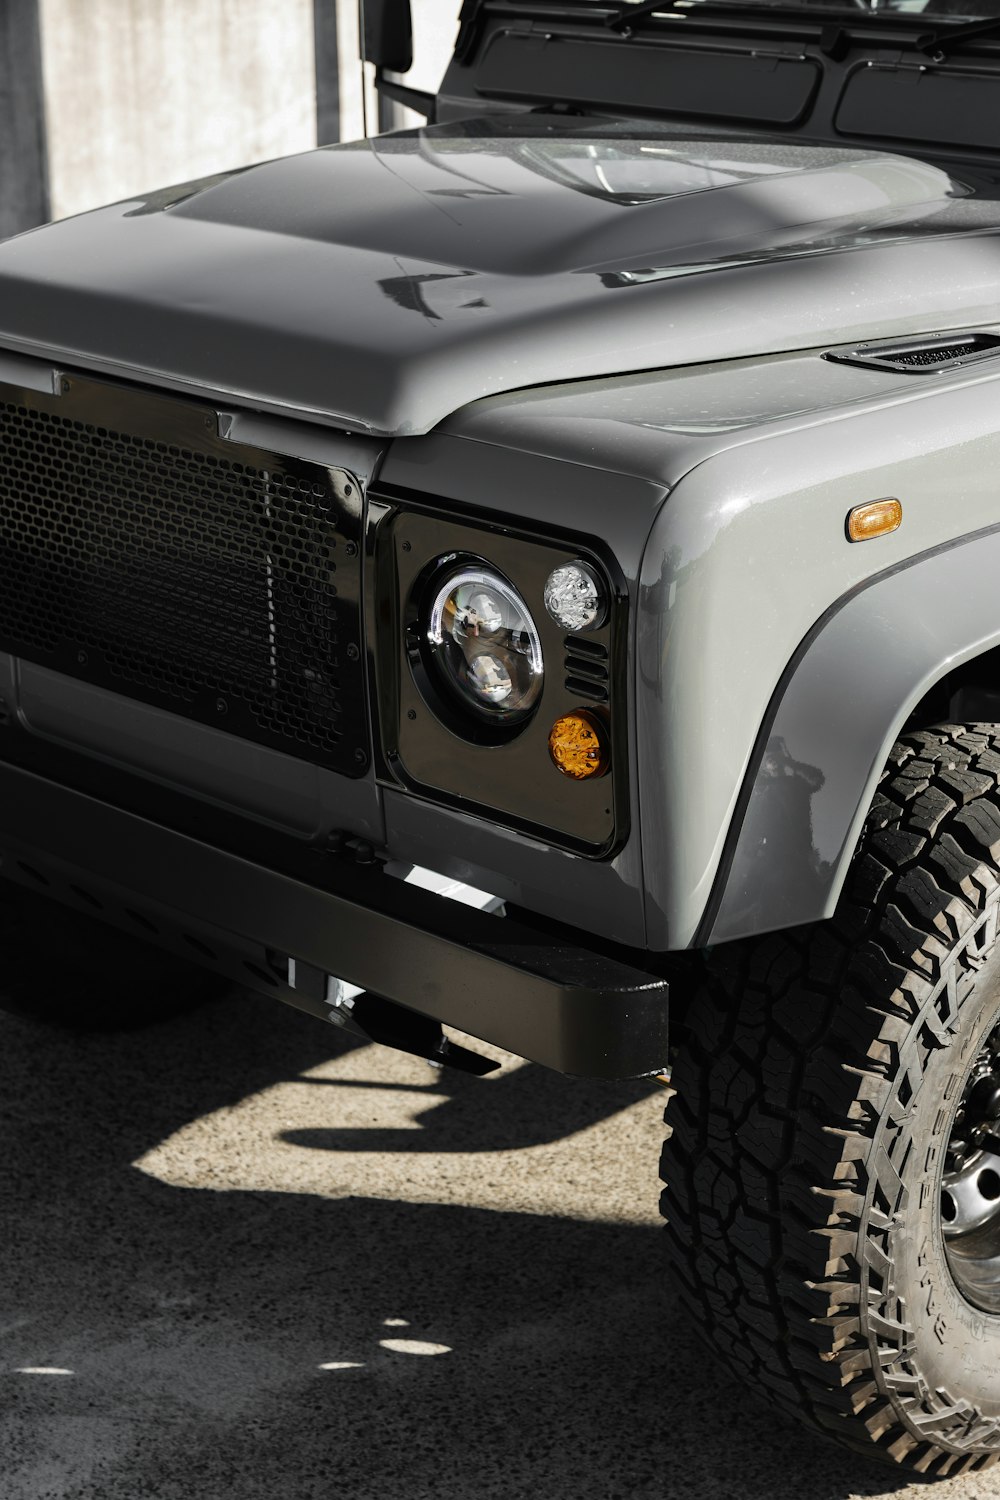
(748, 554)
(824, 742)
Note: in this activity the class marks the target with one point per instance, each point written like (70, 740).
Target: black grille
(941, 354)
(181, 573)
(920, 355)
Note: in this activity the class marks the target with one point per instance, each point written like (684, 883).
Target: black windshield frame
(624, 15)
(748, 68)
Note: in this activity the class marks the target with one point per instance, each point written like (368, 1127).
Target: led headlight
(484, 644)
(575, 598)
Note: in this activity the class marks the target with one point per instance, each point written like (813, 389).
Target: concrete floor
(267, 1262)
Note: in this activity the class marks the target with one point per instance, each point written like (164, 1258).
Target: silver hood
(384, 284)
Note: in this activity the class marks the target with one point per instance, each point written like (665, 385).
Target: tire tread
(790, 1051)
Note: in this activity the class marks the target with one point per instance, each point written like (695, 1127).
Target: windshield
(859, 11)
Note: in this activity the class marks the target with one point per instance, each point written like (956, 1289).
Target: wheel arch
(915, 644)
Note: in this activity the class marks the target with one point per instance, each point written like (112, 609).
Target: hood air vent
(924, 356)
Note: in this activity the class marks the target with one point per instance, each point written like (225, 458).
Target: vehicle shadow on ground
(196, 1323)
(519, 1110)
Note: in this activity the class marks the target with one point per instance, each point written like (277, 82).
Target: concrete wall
(23, 157)
(141, 93)
(100, 99)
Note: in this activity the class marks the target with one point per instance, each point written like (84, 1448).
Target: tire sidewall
(937, 1356)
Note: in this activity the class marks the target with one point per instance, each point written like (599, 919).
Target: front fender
(746, 571)
(831, 723)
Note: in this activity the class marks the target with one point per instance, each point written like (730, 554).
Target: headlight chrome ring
(484, 645)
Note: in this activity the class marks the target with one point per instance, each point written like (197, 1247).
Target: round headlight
(574, 597)
(484, 644)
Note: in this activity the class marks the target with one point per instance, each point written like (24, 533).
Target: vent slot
(924, 356)
(587, 668)
(584, 689)
(581, 645)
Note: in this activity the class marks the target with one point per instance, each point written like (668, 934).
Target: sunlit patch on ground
(375, 1123)
(392, 1346)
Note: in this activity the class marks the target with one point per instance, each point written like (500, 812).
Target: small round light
(578, 745)
(483, 644)
(574, 597)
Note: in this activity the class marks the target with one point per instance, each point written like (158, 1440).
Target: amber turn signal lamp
(578, 744)
(877, 518)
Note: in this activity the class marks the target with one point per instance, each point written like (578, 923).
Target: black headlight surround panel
(427, 744)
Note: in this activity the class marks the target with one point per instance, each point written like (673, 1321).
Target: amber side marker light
(877, 518)
(578, 744)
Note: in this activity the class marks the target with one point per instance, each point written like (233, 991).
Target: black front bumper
(524, 989)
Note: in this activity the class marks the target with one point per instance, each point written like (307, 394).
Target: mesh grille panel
(179, 576)
(926, 353)
(936, 356)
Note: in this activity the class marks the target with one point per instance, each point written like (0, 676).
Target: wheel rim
(970, 1188)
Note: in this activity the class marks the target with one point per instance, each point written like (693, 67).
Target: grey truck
(589, 503)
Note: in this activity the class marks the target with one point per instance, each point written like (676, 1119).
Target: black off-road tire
(65, 968)
(816, 1086)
